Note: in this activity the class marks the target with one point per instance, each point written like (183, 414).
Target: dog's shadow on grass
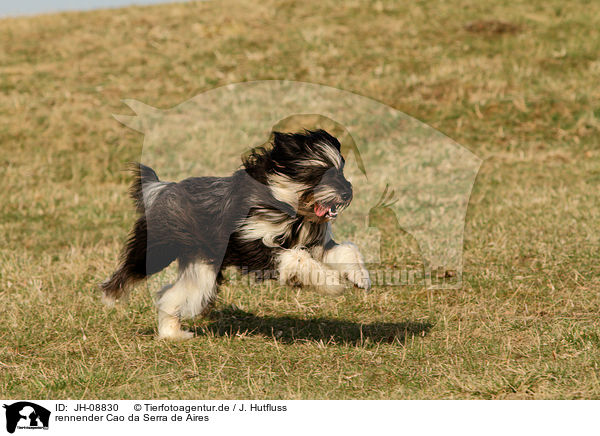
(230, 322)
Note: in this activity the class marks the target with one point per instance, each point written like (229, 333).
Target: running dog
(273, 214)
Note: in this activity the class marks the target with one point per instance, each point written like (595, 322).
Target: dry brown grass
(525, 324)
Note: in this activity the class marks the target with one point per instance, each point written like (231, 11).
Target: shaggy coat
(273, 215)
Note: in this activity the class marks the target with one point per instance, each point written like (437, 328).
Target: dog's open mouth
(324, 211)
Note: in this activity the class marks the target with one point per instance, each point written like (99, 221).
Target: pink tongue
(320, 210)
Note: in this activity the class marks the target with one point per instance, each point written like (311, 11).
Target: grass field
(514, 82)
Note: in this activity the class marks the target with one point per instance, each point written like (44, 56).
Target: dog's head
(305, 170)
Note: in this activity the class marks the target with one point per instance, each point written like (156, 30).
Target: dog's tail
(132, 267)
(143, 176)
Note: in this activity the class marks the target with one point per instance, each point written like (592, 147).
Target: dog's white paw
(169, 328)
(346, 258)
(176, 335)
(183, 335)
(359, 276)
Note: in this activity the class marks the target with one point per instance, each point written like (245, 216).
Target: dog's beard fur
(281, 200)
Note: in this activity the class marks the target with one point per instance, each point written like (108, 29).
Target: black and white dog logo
(26, 415)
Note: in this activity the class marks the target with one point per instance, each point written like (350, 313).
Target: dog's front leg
(347, 259)
(297, 266)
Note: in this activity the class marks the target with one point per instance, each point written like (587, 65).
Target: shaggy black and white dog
(272, 215)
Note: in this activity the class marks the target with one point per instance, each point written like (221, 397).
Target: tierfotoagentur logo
(24, 415)
(411, 183)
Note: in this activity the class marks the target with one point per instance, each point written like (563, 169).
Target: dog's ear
(323, 137)
(330, 139)
(286, 142)
(336, 144)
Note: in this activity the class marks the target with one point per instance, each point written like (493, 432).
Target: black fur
(204, 218)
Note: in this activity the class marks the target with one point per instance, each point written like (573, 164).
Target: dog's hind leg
(190, 296)
(296, 265)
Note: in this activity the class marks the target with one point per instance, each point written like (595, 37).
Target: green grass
(525, 324)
